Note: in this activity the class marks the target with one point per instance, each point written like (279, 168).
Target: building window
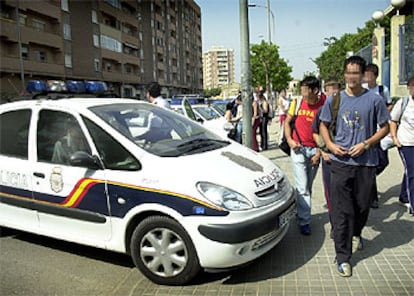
(25, 52)
(38, 25)
(114, 3)
(97, 65)
(111, 43)
(64, 5)
(108, 67)
(94, 17)
(68, 60)
(40, 56)
(129, 69)
(22, 19)
(95, 40)
(67, 32)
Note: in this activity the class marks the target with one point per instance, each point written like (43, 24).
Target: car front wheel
(163, 251)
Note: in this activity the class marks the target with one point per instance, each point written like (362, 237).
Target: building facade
(218, 68)
(126, 43)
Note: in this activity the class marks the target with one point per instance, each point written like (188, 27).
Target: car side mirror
(83, 159)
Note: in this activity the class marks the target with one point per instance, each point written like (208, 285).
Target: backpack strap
(298, 104)
(336, 102)
(381, 90)
(404, 104)
(293, 122)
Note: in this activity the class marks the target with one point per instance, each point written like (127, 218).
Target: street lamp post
(269, 12)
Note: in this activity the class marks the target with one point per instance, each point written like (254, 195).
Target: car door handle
(39, 175)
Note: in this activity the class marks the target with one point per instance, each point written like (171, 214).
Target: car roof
(71, 103)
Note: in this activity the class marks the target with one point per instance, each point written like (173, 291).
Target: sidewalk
(303, 265)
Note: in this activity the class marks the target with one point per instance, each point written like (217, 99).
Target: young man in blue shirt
(354, 158)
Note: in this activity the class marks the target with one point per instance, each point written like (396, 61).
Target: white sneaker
(357, 244)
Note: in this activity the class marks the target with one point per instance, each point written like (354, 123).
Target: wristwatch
(366, 145)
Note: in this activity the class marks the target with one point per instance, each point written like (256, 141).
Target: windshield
(157, 130)
(206, 112)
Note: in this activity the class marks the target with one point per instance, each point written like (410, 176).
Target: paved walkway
(302, 265)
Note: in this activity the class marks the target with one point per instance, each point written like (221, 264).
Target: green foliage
(212, 92)
(330, 62)
(265, 59)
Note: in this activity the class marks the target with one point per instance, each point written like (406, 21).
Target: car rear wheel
(163, 251)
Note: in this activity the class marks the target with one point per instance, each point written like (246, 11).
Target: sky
(300, 26)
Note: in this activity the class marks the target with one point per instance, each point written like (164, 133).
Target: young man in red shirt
(305, 154)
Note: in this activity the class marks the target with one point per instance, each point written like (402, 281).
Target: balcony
(44, 8)
(29, 35)
(10, 64)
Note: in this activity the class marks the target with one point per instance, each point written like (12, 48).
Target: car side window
(14, 133)
(112, 153)
(59, 135)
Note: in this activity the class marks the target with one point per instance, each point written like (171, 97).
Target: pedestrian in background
(402, 132)
(304, 152)
(238, 118)
(354, 159)
(154, 95)
(256, 120)
(264, 111)
(283, 104)
(332, 86)
(370, 78)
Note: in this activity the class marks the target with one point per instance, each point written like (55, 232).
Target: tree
(330, 62)
(267, 66)
(212, 92)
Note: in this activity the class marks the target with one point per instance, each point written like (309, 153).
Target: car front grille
(267, 238)
(280, 189)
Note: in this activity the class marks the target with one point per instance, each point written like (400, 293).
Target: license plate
(287, 215)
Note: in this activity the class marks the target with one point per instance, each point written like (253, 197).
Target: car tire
(163, 251)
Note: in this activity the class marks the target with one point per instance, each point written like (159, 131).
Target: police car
(134, 178)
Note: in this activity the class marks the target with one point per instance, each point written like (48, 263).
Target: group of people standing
(350, 124)
(260, 119)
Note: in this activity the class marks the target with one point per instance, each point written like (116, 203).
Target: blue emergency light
(36, 86)
(74, 86)
(95, 86)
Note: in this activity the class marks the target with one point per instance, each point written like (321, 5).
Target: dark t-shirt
(356, 122)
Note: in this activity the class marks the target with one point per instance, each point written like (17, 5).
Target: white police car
(134, 178)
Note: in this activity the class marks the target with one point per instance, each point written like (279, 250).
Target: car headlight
(224, 197)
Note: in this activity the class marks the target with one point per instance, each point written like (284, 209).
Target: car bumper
(225, 246)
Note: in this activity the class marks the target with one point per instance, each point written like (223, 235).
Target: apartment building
(218, 67)
(126, 43)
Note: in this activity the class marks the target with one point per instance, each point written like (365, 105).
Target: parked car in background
(205, 114)
(131, 177)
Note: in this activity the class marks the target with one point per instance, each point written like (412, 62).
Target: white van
(134, 178)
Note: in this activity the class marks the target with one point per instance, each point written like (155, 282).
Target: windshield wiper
(200, 144)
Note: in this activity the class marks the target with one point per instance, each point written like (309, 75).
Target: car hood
(235, 167)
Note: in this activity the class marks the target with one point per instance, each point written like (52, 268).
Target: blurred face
(307, 92)
(353, 76)
(370, 78)
(331, 89)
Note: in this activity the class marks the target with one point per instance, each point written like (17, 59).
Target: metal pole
(19, 40)
(268, 22)
(246, 92)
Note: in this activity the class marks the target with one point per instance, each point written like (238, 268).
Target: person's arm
(254, 104)
(227, 116)
(360, 148)
(288, 134)
(333, 147)
(393, 132)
